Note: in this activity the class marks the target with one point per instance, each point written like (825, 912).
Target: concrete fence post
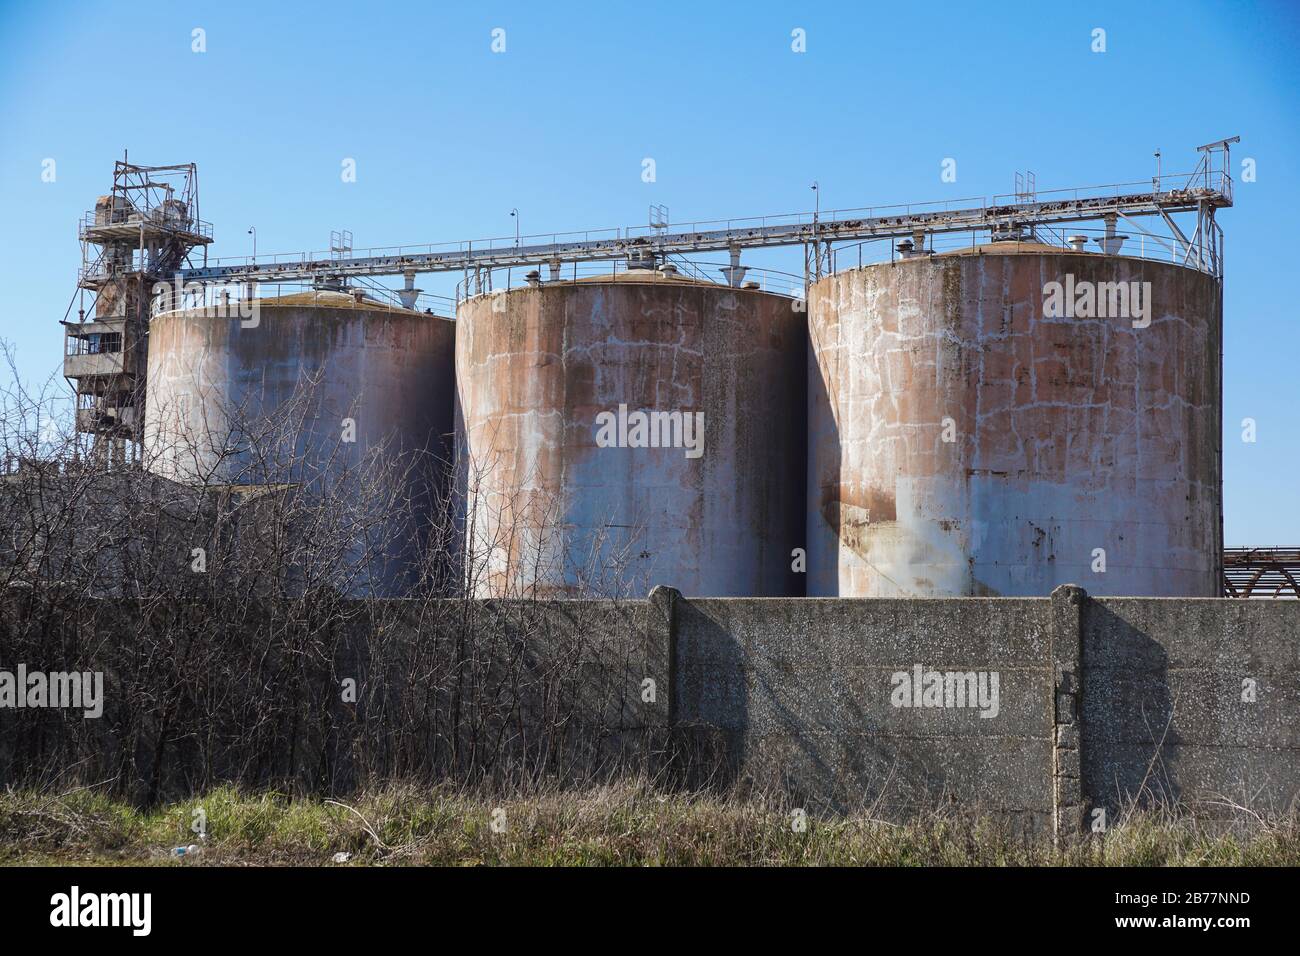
(663, 633)
(1067, 671)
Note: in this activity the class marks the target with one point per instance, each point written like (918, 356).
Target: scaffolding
(141, 233)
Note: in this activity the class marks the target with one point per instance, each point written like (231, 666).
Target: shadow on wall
(711, 690)
(745, 719)
(796, 699)
(1130, 737)
(823, 454)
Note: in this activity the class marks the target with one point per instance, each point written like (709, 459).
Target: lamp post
(514, 214)
(816, 252)
(251, 290)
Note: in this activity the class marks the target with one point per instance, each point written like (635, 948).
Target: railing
(103, 267)
(211, 294)
(1202, 179)
(133, 217)
(1209, 180)
(91, 343)
(505, 243)
(1261, 573)
(1159, 245)
(424, 301)
(766, 280)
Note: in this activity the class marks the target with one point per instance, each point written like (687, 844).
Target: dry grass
(625, 825)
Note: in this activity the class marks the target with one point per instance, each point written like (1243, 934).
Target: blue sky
(448, 136)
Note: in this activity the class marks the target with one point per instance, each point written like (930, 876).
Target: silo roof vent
(1111, 244)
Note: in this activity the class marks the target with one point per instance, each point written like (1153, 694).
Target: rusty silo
(976, 430)
(315, 390)
(559, 506)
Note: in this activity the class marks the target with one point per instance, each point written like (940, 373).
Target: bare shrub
(271, 608)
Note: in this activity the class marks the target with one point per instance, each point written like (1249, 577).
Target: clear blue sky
(448, 137)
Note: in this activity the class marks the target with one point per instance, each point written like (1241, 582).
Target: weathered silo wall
(553, 508)
(352, 399)
(963, 443)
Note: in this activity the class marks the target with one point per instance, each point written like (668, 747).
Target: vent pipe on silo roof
(1111, 242)
(735, 273)
(409, 293)
(1077, 243)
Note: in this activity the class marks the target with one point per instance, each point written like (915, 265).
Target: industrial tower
(140, 234)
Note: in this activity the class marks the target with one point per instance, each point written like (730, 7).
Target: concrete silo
(632, 430)
(325, 391)
(1011, 418)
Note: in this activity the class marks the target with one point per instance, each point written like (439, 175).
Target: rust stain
(1077, 424)
(535, 367)
(851, 516)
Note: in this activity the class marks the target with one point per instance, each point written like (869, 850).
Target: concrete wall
(802, 695)
(1192, 700)
(1099, 702)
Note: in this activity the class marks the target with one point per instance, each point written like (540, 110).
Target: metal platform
(1261, 573)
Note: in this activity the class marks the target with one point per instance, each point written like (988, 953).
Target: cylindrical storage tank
(327, 392)
(1012, 418)
(630, 431)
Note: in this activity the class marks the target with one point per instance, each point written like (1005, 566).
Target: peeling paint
(532, 378)
(1070, 434)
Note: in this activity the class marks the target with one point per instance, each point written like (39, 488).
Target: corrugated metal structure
(319, 390)
(962, 442)
(571, 492)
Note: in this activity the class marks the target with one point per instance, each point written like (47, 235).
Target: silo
(330, 392)
(1011, 418)
(631, 430)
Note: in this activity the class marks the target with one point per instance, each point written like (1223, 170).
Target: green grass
(624, 825)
